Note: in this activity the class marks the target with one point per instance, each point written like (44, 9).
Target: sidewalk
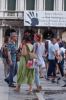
(50, 91)
(7, 93)
(3, 86)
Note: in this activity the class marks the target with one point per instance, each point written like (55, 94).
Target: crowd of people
(29, 60)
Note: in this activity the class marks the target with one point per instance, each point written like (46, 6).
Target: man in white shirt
(51, 58)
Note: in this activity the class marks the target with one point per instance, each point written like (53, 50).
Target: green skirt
(24, 74)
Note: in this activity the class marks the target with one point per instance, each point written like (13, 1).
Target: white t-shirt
(56, 46)
(52, 48)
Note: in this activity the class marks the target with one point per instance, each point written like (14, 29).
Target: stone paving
(50, 91)
(7, 93)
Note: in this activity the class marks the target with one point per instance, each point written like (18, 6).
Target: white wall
(21, 5)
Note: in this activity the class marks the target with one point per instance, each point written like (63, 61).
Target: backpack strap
(36, 47)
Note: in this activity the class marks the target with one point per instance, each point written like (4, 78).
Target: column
(36, 4)
(40, 4)
(55, 5)
(0, 4)
(1, 38)
(38, 30)
(3, 5)
(58, 33)
(19, 38)
(59, 5)
(21, 5)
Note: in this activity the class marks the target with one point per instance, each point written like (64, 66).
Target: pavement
(50, 91)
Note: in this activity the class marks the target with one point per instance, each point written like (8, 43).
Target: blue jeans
(37, 78)
(61, 68)
(51, 68)
(12, 72)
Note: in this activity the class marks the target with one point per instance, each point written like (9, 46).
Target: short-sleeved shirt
(51, 51)
(12, 48)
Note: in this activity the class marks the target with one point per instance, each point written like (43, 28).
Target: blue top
(12, 48)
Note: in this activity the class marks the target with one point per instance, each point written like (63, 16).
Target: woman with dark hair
(25, 74)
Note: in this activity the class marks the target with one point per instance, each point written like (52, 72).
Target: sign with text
(45, 18)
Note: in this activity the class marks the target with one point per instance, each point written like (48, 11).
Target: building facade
(12, 15)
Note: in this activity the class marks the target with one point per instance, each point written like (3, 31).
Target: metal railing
(11, 14)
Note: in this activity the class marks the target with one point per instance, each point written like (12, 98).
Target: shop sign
(45, 18)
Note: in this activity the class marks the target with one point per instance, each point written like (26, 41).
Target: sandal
(39, 88)
(17, 89)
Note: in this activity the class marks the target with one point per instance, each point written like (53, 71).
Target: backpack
(5, 52)
(18, 54)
